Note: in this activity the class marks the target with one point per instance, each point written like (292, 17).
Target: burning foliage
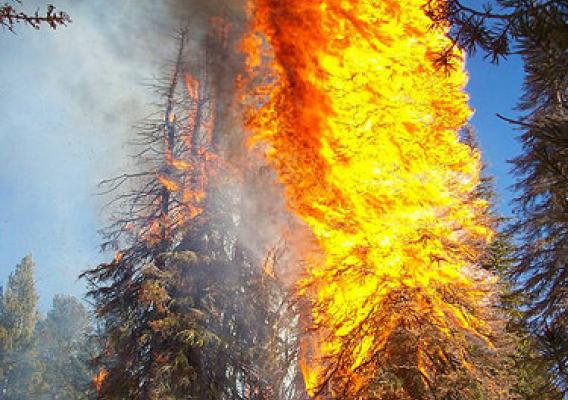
(186, 307)
(345, 102)
(362, 129)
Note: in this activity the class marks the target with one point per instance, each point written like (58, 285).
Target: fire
(169, 184)
(185, 173)
(99, 379)
(362, 129)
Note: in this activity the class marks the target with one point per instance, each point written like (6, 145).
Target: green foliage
(153, 333)
(538, 31)
(541, 267)
(527, 372)
(530, 373)
(20, 374)
(497, 28)
(19, 302)
(64, 350)
(41, 359)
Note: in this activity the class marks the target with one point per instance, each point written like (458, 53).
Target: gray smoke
(70, 100)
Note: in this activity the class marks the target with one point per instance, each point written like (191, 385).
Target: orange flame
(99, 379)
(168, 183)
(362, 130)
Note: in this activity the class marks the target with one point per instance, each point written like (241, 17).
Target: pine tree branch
(9, 17)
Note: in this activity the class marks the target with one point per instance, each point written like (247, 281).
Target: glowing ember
(99, 379)
(363, 133)
(168, 184)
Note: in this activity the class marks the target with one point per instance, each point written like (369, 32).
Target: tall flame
(362, 130)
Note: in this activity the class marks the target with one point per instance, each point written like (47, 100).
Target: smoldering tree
(186, 309)
(253, 356)
(133, 294)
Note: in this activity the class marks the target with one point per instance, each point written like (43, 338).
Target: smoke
(69, 101)
(201, 10)
(70, 107)
(265, 224)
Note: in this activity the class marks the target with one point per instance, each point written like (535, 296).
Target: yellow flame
(168, 183)
(98, 380)
(362, 130)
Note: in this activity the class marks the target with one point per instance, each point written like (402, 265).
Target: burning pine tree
(187, 309)
(362, 129)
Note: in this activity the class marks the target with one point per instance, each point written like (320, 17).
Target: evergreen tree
(538, 31)
(19, 302)
(496, 28)
(186, 309)
(542, 205)
(20, 370)
(64, 350)
(135, 295)
(529, 376)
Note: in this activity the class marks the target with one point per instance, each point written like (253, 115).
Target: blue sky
(68, 100)
(496, 89)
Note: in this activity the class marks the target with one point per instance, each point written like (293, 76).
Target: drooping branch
(497, 34)
(10, 16)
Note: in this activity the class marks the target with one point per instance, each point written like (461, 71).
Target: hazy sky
(68, 100)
